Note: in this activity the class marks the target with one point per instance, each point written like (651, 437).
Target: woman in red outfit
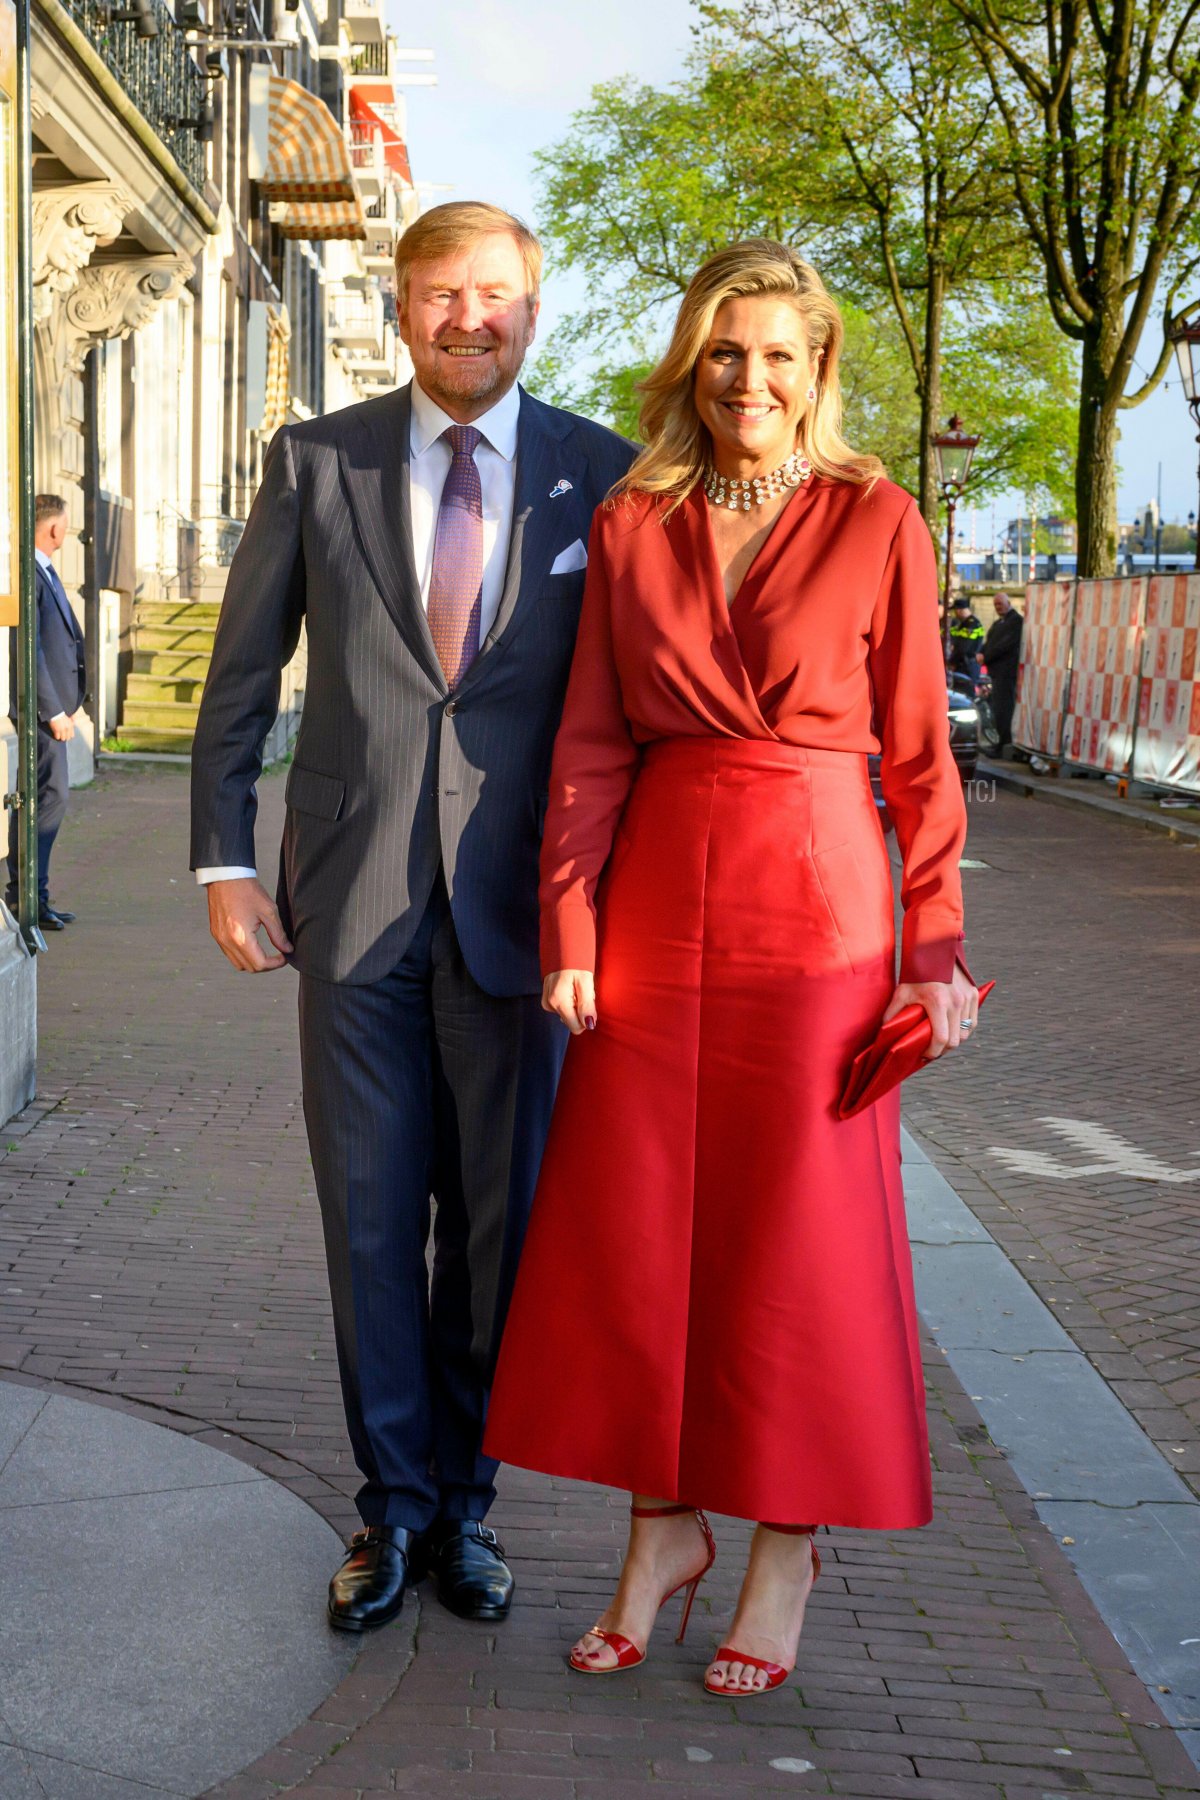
(715, 1303)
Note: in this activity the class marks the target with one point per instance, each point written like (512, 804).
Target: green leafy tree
(924, 218)
(1009, 369)
(1097, 100)
(648, 182)
(645, 185)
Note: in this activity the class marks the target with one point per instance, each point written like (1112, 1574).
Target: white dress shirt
(429, 459)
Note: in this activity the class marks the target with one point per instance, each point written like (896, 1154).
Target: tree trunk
(1096, 458)
(931, 394)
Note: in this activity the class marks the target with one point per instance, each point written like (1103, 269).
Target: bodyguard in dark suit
(1002, 654)
(61, 688)
(433, 541)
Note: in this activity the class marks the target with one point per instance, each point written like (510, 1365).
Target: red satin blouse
(832, 641)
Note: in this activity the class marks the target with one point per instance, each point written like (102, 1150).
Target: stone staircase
(173, 642)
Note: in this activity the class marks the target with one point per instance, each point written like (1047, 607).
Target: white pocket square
(568, 560)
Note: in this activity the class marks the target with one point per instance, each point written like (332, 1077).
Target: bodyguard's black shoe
(49, 920)
(368, 1589)
(466, 1560)
(60, 912)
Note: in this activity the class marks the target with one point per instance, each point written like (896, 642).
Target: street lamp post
(1184, 333)
(953, 450)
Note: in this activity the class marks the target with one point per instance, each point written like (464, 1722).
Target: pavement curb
(1066, 792)
(1067, 1443)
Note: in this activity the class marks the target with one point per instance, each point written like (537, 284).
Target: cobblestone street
(160, 1252)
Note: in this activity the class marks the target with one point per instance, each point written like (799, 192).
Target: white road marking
(1116, 1156)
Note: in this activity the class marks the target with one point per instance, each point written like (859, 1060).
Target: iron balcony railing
(157, 73)
(355, 317)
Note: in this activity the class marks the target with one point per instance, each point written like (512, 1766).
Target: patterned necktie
(456, 583)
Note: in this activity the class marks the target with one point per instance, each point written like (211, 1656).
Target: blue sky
(511, 73)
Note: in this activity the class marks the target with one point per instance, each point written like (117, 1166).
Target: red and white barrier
(1045, 660)
(1106, 653)
(1167, 747)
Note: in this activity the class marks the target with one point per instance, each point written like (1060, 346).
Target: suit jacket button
(451, 709)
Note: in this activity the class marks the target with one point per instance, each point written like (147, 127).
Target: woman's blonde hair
(677, 442)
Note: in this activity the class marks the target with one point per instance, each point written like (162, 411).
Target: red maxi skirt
(715, 1299)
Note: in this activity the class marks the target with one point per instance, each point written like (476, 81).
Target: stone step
(176, 638)
(160, 715)
(165, 665)
(157, 690)
(136, 737)
(191, 614)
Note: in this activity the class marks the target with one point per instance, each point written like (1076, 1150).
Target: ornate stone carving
(68, 223)
(118, 295)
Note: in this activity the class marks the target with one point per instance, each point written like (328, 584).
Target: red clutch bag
(898, 1049)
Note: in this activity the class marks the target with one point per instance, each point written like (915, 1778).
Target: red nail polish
(589, 1021)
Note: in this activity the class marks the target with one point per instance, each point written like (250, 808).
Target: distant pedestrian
(1002, 654)
(966, 639)
(61, 685)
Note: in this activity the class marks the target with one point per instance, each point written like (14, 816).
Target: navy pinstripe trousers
(422, 1086)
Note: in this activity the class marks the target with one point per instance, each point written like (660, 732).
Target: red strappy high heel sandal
(775, 1672)
(628, 1653)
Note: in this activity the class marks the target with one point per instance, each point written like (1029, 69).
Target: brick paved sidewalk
(1092, 927)
(160, 1250)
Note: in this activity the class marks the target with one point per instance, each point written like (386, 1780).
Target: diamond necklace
(729, 491)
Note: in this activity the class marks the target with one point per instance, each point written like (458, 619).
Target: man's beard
(472, 379)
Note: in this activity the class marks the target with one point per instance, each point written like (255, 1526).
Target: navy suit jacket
(61, 667)
(392, 773)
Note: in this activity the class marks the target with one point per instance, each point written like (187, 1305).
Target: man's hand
(948, 1003)
(62, 728)
(571, 993)
(237, 910)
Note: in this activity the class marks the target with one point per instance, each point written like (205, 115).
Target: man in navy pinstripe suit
(433, 543)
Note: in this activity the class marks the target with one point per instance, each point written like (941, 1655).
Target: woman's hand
(952, 1006)
(571, 993)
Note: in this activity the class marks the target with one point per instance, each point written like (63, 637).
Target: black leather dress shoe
(49, 920)
(60, 912)
(368, 1589)
(467, 1561)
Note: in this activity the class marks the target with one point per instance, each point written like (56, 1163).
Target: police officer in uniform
(966, 639)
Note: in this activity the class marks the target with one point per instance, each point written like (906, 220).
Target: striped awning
(307, 154)
(335, 219)
(279, 332)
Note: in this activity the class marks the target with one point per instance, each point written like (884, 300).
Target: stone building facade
(215, 213)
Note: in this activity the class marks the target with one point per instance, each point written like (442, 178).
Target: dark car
(962, 719)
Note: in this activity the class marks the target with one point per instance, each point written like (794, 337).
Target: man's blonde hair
(677, 443)
(444, 230)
